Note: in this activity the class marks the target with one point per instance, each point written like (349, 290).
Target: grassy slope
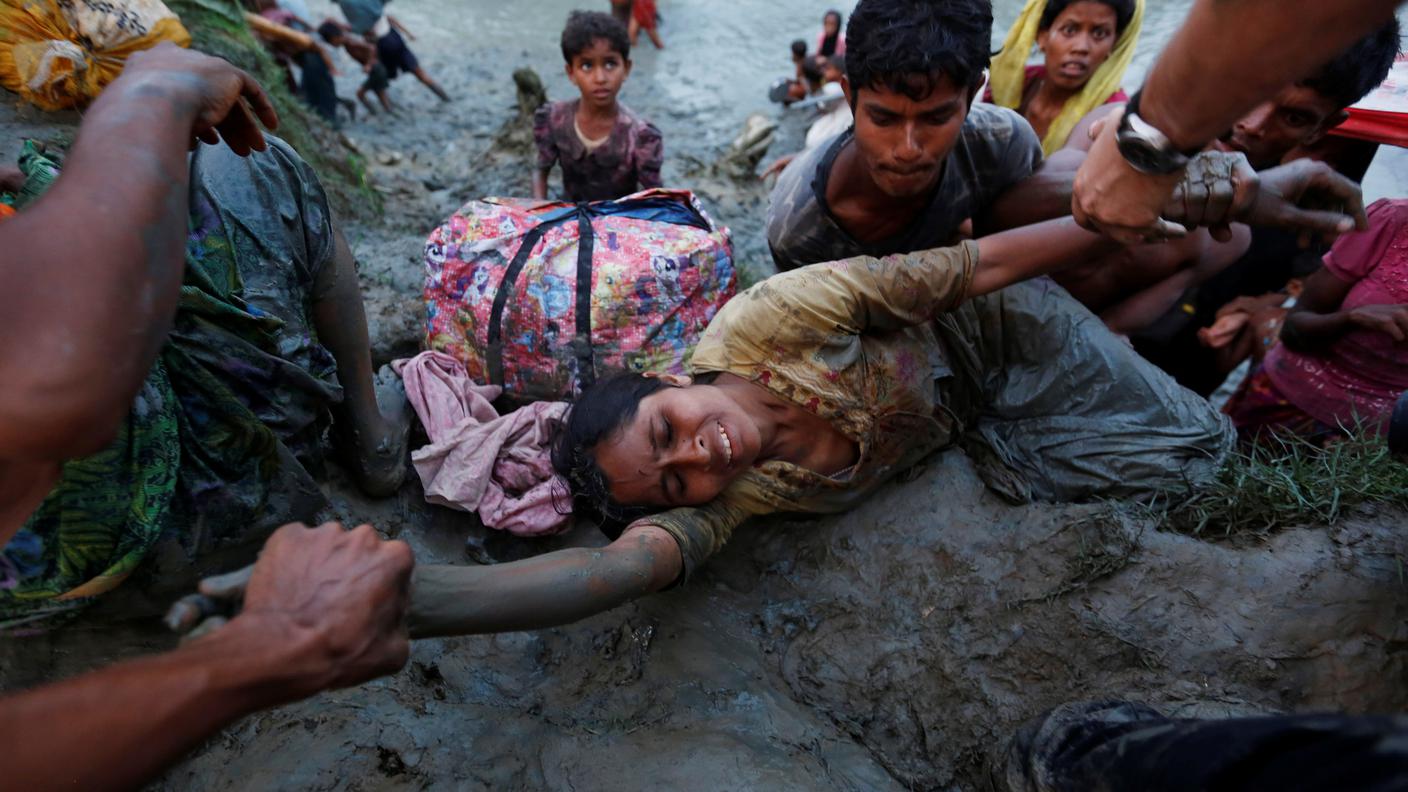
(218, 27)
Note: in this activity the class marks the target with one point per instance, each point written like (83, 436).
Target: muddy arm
(1030, 252)
(546, 591)
(92, 271)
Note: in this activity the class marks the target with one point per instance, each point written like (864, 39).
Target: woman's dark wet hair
(602, 410)
(585, 27)
(1359, 69)
(1124, 11)
(906, 46)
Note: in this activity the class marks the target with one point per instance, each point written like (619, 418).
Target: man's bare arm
(90, 274)
(1232, 54)
(324, 608)
(1228, 56)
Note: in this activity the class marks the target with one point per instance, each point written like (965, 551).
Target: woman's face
(684, 446)
(831, 24)
(1079, 40)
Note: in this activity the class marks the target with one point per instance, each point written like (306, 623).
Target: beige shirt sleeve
(701, 531)
(848, 297)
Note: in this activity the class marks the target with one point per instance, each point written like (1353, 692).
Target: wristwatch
(1144, 147)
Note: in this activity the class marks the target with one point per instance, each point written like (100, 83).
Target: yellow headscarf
(1009, 71)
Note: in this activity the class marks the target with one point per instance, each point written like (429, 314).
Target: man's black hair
(906, 46)
(811, 72)
(329, 31)
(585, 28)
(1359, 69)
(1124, 11)
(799, 48)
(837, 62)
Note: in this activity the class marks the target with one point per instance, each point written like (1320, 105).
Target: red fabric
(1259, 410)
(644, 12)
(1375, 126)
(1361, 374)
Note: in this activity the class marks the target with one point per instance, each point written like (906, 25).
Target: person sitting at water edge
(606, 151)
(832, 39)
(1087, 45)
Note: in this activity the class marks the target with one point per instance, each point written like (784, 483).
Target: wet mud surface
(894, 647)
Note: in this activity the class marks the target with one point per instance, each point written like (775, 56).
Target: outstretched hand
(229, 105)
(337, 597)
(1310, 198)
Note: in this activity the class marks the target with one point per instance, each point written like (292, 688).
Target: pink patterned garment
(480, 461)
(1363, 372)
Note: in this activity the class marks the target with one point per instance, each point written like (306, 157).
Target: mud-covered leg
(1073, 408)
(373, 421)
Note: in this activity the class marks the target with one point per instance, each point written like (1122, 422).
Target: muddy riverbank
(890, 648)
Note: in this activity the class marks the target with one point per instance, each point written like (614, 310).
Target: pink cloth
(479, 461)
(1363, 372)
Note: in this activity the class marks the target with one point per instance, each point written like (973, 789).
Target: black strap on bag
(657, 209)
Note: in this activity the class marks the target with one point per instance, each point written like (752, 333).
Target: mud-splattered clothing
(995, 149)
(223, 441)
(1105, 746)
(893, 355)
(627, 162)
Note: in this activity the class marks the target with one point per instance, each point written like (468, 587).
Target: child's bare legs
(372, 424)
(385, 101)
(654, 34)
(431, 84)
(362, 97)
(633, 30)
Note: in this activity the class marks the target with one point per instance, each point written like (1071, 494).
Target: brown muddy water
(894, 647)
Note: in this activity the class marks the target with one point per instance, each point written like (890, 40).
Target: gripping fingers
(259, 103)
(229, 586)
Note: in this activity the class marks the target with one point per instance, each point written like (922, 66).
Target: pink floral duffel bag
(544, 298)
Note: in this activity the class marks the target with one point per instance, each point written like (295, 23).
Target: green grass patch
(217, 27)
(1286, 482)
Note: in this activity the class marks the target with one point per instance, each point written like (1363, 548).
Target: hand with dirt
(1111, 197)
(1216, 185)
(334, 599)
(228, 104)
(1392, 320)
(1308, 197)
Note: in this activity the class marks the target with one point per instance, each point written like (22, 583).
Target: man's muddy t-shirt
(996, 149)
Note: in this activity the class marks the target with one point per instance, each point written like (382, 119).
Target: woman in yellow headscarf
(1088, 44)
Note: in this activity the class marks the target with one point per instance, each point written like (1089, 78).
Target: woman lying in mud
(813, 388)
(134, 442)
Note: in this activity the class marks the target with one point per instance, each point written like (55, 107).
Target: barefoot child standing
(606, 151)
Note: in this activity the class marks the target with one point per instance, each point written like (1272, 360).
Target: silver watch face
(1146, 149)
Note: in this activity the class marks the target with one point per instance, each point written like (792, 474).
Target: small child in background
(644, 16)
(799, 56)
(364, 53)
(606, 151)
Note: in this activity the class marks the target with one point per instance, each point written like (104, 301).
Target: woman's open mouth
(728, 446)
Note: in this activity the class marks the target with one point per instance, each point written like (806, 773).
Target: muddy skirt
(223, 443)
(1058, 408)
